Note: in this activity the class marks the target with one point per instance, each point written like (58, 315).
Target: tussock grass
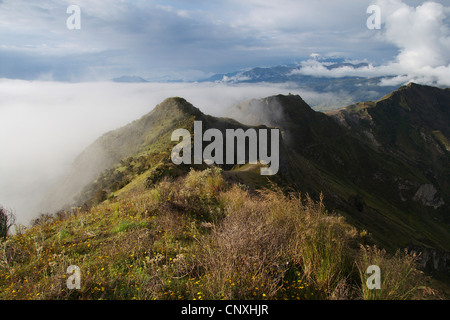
(400, 279)
(199, 237)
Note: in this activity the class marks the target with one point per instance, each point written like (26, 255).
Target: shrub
(158, 173)
(43, 219)
(207, 183)
(245, 256)
(99, 197)
(262, 241)
(198, 237)
(196, 194)
(7, 220)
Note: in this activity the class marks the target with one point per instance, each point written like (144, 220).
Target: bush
(99, 197)
(7, 220)
(43, 219)
(265, 241)
(245, 255)
(158, 173)
(195, 195)
(207, 183)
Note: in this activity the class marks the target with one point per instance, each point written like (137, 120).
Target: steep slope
(388, 189)
(359, 158)
(198, 236)
(119, 144)
(412, 124)
(139, 149)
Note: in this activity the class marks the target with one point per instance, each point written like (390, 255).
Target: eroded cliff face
(431, 260)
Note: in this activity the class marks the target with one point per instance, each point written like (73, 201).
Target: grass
(400, 280)
(200, 237)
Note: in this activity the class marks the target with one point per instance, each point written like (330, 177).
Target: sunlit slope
(383, 164)
(141, 147)
(199, 237)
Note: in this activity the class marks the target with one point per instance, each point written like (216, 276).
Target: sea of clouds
(45, 125)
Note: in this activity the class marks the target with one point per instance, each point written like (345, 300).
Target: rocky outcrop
(431, 260)
(427, 195)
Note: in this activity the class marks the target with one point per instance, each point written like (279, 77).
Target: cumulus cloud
(422, 36)
(318, 68)
(420, 33)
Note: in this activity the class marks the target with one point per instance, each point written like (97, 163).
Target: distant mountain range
(345, 90)
(277, 74)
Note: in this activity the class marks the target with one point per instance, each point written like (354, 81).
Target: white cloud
(319, 69)
(422, 36)
(420, 33)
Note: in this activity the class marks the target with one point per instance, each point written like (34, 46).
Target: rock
(431, 260)
(427, 194)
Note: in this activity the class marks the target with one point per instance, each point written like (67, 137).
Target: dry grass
(400, 278)
(263, 239)
(197, 237)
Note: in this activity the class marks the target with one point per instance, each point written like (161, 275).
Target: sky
(191, 40)
(56, 96)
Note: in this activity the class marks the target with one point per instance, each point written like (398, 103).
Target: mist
(46, 125)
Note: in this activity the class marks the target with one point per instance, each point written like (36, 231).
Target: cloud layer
(47, 124)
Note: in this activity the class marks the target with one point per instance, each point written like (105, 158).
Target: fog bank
(45, 125)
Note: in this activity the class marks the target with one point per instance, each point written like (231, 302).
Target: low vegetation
(7, 220)
(200, 237)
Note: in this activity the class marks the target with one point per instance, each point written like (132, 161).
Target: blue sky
(189, 40)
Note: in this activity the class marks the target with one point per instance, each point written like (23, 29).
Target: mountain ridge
(360, 174)
(144, 143)
(351, 157)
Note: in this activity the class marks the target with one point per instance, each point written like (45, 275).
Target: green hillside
(372, 175)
